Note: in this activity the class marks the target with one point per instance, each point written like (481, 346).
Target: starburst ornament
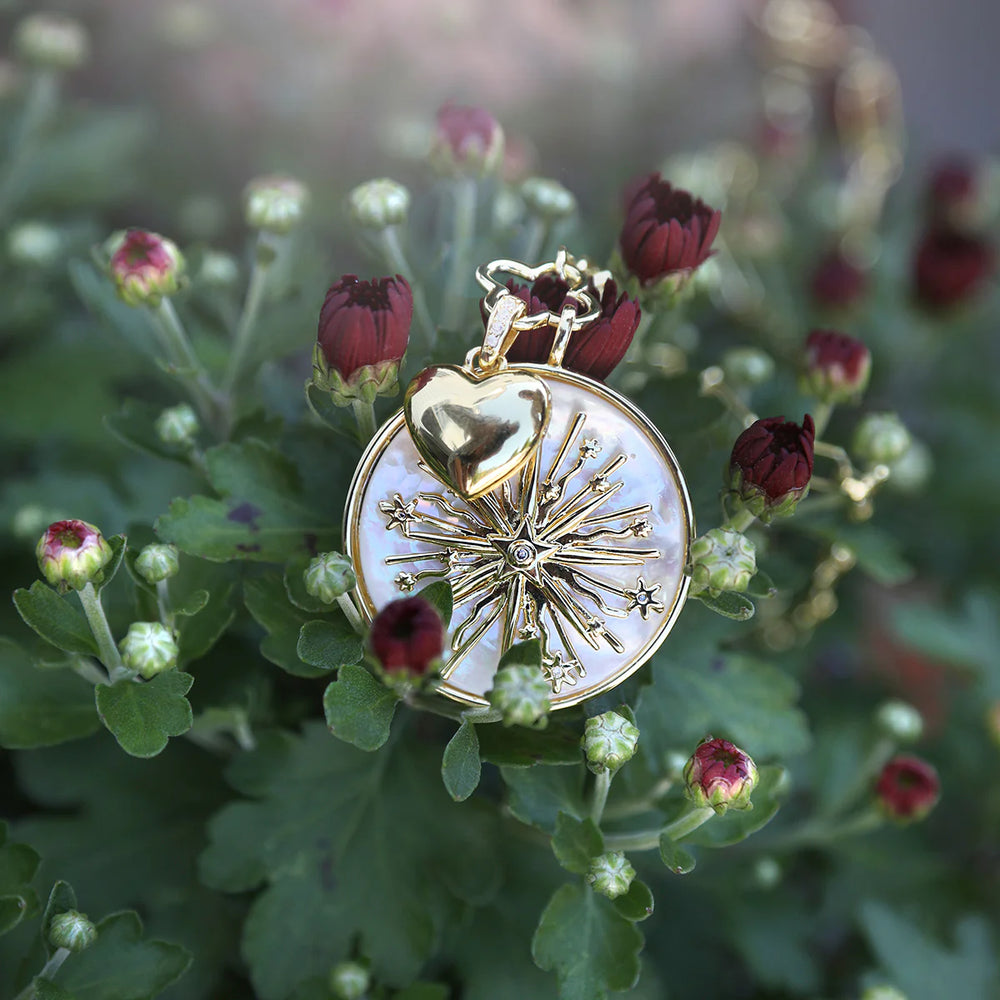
(551, 505)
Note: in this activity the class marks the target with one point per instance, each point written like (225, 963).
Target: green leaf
(587, 943)
(61, 898)
(516, 746)
(737, 824)
(54, 619)
(120, 965)
(636, 904)
(327, 643)
(460, 765)
(119, 546)
(263, 515)
(539, 794)
(359, 708)
(39, 707)
(45, 989)
(729, 604)
(576, 842)
(523, 654)
(195, 602)
(424, 991)
(321, 403)
(356, 850)
(761, 585)
(295, 586)
(439, 594)
(923, 968)
(675, 857)
(18, 865)
(143, 716)
(135, 425)
(200, 631)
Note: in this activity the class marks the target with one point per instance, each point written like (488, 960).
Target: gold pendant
(553, 507)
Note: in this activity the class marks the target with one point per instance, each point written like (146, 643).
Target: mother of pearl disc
(650, 475)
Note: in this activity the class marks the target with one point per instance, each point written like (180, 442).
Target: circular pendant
(583, 547)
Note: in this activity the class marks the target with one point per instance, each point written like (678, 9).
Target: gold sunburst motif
(530, 553)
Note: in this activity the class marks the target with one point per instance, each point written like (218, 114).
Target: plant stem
(243, 339)
(648, 840)
(39, 106)
(821, 417)
(815, 833)
(163, 603)
(646, 803)
(538, 237)
(48, 970)
(740, 521)
(98, 622)
(351, 613)
(392, 250)
(599, 797)
(364, 413)
(463, 233)
(189, 368)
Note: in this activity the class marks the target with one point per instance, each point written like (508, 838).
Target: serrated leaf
(637, 904)
(439, 594)
(729, 604)
(262, 515)
(923, 968)
(54, 619)
(460, 765)
(142, 717)
(359, 709)
(539, 794)
(121, 965)
(738, 824)
(516, 746)
(381, 856)
(675, 857)
(576, 842)
(591, 948)
(198, 633)
(522, 654)
(267, 601)
(135, 425)
(326, 643)
(40, 708)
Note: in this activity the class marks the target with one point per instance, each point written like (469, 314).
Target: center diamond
(522, 552)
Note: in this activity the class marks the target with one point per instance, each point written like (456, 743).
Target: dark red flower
(837, 283)
(407, 635)
(595, 350)
(955, 196)
(364, 327)
(836, 366)
(666, 230)
(950, 267)
(907, 788)
(719, 774)
(466, 140)
(771, 465)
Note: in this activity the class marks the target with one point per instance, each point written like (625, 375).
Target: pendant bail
(501, 331)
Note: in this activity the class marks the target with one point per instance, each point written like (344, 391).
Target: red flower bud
(719, 774)
(666, 230)
(467, 140)
(72, 554)
(595, 350)
(837, 283)
(771, 465)
(407, 635)
(950, 267)
(907, 788)
(836, 366)
(144, 266)
(363, 331)
(955, 196)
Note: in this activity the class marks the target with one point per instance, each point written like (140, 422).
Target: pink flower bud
(956, 197)
(719, 774)
(144, 266)
(771, 465)
(364, 327)
(407, 636)
(950, 268)
(467, 140)
(72, 554)
(908, 788)
(666, 230)
(838, 283)
(836, 366)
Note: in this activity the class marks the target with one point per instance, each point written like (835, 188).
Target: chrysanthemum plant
(204, 730)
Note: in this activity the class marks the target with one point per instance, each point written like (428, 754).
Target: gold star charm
(642, 598)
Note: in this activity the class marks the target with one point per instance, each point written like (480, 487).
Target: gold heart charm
(475, 433)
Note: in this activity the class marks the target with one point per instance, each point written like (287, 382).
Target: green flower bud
(548, 198)
(881, 438)
(609, 741)
(275, 204)
(157, 562)
(522, 694)
(72, 931)
(611, 874)
(178, 425)
(883, 992)
(747, 366)
(150, 648)
(719, 774)
(909, 473)
(218, 269)
(72, 554)
(722, 559)
(51, 41)
(328, 576)
(349, 981)
(33, 244)
(380, 203)
(900, 720)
